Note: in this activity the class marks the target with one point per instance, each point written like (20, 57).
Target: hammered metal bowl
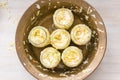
(41, 13)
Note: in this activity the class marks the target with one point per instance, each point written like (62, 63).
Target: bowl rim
(91, 67)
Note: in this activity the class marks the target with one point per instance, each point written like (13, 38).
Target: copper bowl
(40, 13)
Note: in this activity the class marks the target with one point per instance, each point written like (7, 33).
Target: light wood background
(10, 14)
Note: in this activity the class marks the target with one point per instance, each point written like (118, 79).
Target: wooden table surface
(10, 14)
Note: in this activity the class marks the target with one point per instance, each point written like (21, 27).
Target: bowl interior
(30, 55)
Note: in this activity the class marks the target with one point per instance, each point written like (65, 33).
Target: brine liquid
(44, 17)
